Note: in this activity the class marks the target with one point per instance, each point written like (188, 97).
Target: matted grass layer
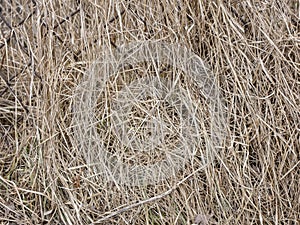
(252, 49)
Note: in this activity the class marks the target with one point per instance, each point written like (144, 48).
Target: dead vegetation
(252, 49)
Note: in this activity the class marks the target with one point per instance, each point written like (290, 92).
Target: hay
(151, 115)
(244, 170)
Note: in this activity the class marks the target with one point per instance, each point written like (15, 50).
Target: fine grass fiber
(251, 50)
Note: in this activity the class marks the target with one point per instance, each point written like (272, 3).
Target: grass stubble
(252, 49)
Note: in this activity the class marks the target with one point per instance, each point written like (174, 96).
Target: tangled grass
(252, 49)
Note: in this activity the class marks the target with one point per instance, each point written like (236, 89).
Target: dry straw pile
(47, 176)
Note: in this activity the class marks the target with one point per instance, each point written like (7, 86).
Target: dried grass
(251, 47)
